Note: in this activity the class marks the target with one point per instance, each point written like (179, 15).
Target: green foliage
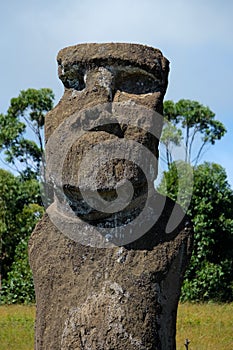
(171, 136)
(20, 201)
(197, 121)
(210, 282)
(20, 205)
(26, 112)
(177, 183)
(209, 275)
(18, 286)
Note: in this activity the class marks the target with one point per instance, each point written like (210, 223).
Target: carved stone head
(111, 110)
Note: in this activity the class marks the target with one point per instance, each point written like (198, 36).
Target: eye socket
(75, 82)
(127, 79)
(72, 77)
(136, 83)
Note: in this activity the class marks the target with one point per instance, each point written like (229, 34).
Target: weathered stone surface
(122, 295)
(119, 298)
(100, 73)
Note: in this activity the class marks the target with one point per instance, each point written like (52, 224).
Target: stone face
(92, 291)
(113, 77)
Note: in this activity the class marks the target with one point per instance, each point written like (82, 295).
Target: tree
(20, 204)
(171, 136)
(210, 273)
(198, 123)
(17, 286)
(21, 143)
(177, 183)
(25, 116)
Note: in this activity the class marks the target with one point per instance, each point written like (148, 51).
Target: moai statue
(109, 255)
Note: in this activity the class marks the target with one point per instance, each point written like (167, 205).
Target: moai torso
(109, 256)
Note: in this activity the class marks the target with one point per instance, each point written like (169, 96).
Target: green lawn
(207, 326)
(17, 327)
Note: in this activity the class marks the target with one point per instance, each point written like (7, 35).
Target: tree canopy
(197, 125)
(21, 144)
(210, 273)
(20, 205)
(25, 117)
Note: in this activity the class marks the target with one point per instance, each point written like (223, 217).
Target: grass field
(207, 326)
(16, 327)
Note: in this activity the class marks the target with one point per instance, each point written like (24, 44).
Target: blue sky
(196, 36)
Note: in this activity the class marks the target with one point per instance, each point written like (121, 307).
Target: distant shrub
(18, 286)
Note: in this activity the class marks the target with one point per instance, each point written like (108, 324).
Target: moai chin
(108, 257)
